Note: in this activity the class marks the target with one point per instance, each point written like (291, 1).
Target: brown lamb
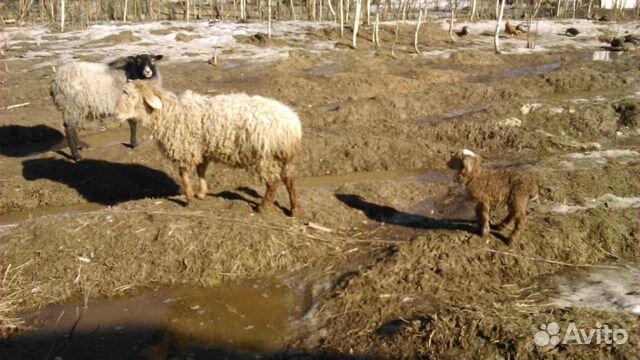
(492, 188)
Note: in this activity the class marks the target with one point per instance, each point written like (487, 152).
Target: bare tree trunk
(453, 4)
(293, 11)
(558, 8)
(341, 9)
(395, 38)
(532, 14)
(347, 11)
(61, 15)
(333, 13)
(23, 11)
(474, 9)
(269, 17)
(124, 12)
(368, 12)
(589, 9)
(356, 22)
(496, 39)
(376, 35)
(415, 38)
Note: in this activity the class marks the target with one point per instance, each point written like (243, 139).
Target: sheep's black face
(456, 161)
(145, 67)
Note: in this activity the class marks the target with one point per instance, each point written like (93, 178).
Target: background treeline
(80, 13)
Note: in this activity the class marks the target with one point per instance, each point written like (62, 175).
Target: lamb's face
(464, 160)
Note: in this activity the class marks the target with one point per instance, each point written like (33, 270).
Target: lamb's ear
(152, 100)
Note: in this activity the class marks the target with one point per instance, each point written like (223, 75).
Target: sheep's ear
(158, 57)
(121, 62)
(471, 163)
(153, 101)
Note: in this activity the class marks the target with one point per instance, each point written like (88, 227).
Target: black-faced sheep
(489, 188)
(250, 132)
(84, 90)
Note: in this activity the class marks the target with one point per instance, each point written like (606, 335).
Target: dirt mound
(119, 38)
(184, 37)
(475, 57)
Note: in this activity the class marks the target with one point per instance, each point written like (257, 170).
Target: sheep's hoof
(485, 231)
(263, 209)
(133, 145)
(294, 212)
(201, 195)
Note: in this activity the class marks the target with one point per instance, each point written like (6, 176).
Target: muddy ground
(401, 273)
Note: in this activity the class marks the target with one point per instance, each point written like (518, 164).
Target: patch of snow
(600, 289)
(528, 108)
(604, 154)
(608, 201)
(61, 48)
(511, 122)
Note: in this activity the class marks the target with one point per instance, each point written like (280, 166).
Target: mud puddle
(230, 320)
(612, 288)
(451, 115)
(606, 55)
(19, 216)
(517, 72)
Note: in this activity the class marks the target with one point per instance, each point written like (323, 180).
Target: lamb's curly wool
(236, 129)
(86, 90)
(492, 188)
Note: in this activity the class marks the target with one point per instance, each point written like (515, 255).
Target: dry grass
(447, 294)
(109, 252)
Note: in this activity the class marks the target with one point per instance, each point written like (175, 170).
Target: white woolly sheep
(250, 132)
(494, 187)
(83, 90)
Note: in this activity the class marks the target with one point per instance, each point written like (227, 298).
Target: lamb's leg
(72, 140)
(133, 126)
(482, 214)
(202, 169)
(509, 219)
(186, 185)
(287, 178)
(520, 218)
(269, 196)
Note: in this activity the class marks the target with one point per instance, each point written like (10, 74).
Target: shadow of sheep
(19, 141)
(101, 181)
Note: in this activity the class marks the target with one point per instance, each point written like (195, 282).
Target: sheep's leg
(186, 185)
(133, 126)
(482, 214)
(269, 196)
(289, 183)
(72, 140)
(202, 169)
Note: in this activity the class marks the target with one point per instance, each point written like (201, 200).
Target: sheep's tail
(535, 194)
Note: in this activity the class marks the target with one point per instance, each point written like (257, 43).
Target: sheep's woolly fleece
(236, 129)
(81, 89)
